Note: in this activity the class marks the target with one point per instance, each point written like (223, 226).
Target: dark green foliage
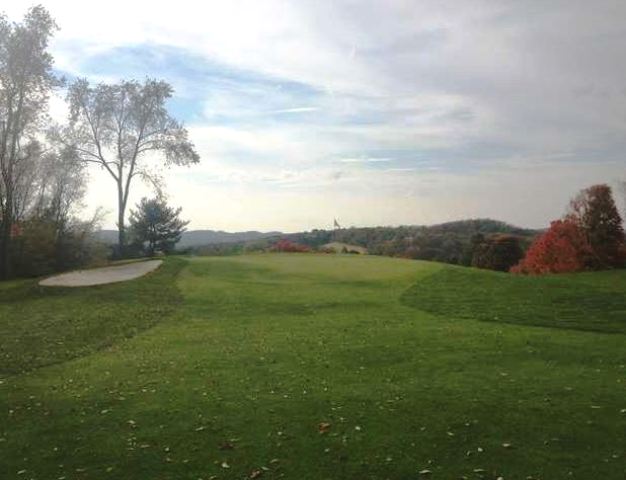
(452, 242)
(41, 248)
(580, 301)
(219, 249)
(498, 252)
(33, 252)
(156, 226)
(595, 212)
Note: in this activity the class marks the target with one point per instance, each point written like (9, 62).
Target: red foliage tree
(289, 246)
(563, 248)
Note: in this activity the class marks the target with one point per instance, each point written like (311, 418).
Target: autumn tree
(157, 225)
(288, 246)
(595, 212)
(125, 129)
(26, 79)
(562, 248)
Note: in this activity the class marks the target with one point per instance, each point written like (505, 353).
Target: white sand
(101, 276)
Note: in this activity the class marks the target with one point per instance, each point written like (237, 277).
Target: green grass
(588, 301)
(41, 326)
(264, 348)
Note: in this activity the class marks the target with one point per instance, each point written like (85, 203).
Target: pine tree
(156, 226)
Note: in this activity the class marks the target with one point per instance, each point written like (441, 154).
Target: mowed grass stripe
(46, 325)
(589, 301)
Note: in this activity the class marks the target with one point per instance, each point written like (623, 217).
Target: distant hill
(373, 237)
(198, 238)
(450, 242)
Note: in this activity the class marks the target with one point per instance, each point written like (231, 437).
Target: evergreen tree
(156, 226)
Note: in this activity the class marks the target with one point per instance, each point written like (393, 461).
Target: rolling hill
(198, 238)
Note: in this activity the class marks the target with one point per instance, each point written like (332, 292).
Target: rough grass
(588, 301)
(265, 348)
(43, 325)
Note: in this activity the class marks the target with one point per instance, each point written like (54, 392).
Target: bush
(41, 249)
(498, 252)
(289, 246)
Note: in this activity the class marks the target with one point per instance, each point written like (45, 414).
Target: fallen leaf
(323, 427)
(256, 473)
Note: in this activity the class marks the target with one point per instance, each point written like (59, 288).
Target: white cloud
(478, 108)
(296, 110)
(365, 160)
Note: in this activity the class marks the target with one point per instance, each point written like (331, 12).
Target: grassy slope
(266, 347)
(588, 301)
(41, 326)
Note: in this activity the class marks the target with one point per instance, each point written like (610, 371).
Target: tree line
(590, 236)
(123, 128)
(476, 242)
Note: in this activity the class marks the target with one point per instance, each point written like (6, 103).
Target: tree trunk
(5, 237)
(5, 240)
(121, 236)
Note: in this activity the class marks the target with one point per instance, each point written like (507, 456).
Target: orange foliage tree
(590, 236)
(563, 248)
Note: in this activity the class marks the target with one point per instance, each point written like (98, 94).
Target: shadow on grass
(42, 326)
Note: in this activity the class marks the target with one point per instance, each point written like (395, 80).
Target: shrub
(498, 252)
(41, 249)
(289, 246)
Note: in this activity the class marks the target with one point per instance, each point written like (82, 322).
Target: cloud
(449, 107)
(365, 160)
(297, 110)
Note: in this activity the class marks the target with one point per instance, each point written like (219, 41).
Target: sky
(372, 112)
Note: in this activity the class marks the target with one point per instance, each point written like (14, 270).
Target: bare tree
(26, 80)
(51, 236)
(124, 128)
(59, 185)
(621, 185)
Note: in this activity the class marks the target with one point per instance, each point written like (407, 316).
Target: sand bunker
(101, 276)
